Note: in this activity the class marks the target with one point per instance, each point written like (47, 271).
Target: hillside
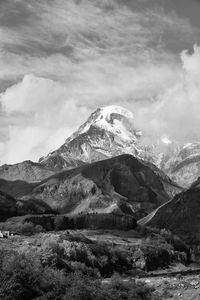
(122, 184)
(181, 215)
(32, 172)
(7, 206)
(10, 207)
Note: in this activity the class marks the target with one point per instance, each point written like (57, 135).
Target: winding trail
(150, 216)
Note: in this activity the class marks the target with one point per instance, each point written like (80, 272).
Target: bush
(103, 257)
(82, 288)
(23, 277)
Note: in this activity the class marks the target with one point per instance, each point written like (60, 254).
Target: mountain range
(111, 131)
(105, 167)
(123, 184)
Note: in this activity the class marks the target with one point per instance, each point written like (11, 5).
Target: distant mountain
(181, 215)
(111, 131)
(123, 184)
(27, 171)
(108, 132)
(185, 166)
(32, 172)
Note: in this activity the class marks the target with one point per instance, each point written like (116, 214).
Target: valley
(105, 203)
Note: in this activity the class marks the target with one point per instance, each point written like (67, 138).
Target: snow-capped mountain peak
(109, 131)
(114, 119)
(166, 140)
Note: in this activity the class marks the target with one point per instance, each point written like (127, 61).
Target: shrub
(24, 277)
(82, 288)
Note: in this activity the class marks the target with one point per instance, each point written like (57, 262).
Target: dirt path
(150, 216)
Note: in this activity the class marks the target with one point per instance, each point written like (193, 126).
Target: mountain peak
(109, 131)
(114, 119)
(107, 111)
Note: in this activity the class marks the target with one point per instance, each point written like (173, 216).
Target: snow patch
(166, 140)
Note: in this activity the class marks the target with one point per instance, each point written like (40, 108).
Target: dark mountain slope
(10, 207)
(17, 188)
(7, 206)
(123, 184)
(181, 215)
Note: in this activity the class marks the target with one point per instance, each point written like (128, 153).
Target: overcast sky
(61, 59)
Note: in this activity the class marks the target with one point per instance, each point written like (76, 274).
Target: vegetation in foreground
(73, 264)
(24, 276)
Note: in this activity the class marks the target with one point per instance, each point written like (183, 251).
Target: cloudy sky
(61, 59)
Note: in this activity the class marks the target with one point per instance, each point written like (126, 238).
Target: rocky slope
(181, 215)
(122, 184)
(32, 172)
(27, 170)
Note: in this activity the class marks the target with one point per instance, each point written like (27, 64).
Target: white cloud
(42, 117)
(50, 110)
(176, 112)
(74, 56)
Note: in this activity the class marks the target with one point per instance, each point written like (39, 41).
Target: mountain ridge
(123, 184)
(108, 132)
